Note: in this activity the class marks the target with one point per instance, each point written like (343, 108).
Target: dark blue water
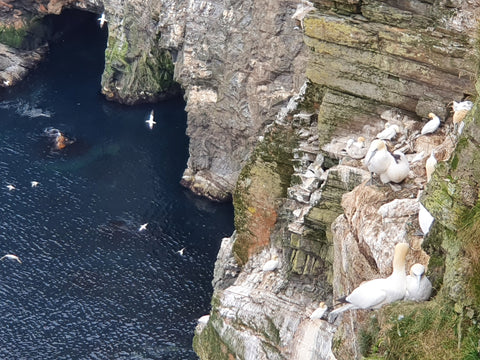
(91, 286)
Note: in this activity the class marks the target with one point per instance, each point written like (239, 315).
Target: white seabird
(181, 251)
(430, 165)
(11, 257)
(398, 169)
(150, 121)
(418, 287)
(143, 227)
(34, 183)
(11, 187)
(356, 149)
(271, 264)
(432, 125)
(102, 20)
(460, 110)
(203, 319)
(318, 313)
(375, 293)
(378, 158)
(425, 219)
(389, 132)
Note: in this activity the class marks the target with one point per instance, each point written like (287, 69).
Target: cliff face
(298, 197)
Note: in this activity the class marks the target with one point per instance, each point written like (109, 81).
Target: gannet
(181, 251)
(34, 183)
(271, 264)
(389, 132)
(378, 159)
(143, 227)
(418, 287)
(150, 121)
(11, 187)
(398, 169)
(203, 319)
(375, 293)
(425, 219)
(432, 125)
(302, 11)
(460, 110)
(430, 165)
(102, 20)
(11, 257)
(6, 82)
(318, 313)
(356, 149)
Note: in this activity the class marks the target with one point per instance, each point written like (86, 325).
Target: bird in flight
(11, 187)
(102, 20)
(181, 251)
(143, 227)
(150, 121)
(11, 257)
(34, 183)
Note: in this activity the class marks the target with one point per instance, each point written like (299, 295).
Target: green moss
(12, 37)
(209, 345)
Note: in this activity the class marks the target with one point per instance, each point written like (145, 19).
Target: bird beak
(371, 155)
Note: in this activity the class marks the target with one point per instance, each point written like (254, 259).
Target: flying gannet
(102, 20)
(375, 293)
(11, 187)
(34, 183)
(143, 227)
(418, 287)
(150, 121)
(181, 251)
(11, 257)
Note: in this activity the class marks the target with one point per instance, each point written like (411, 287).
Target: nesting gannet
(34, 183)
(378, 159)
(203, 319)
(11, 257)
(375, 293)
(432, 125)
(318, 313)
(271, 264)
(356, 149)
(181, 251)
(418, 287)
(102, 20)
(11, 187)
(389, 132)
(425, 219)
(430, 165)
(398, 169)
(150, 121)
(143, 227)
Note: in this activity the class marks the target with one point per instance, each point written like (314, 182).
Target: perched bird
(203, 319)
(11, 257)
(460, 110)
(102, 20)
(34, 183)
(430, 165)
(389, 132)
(11, 187)
(432, 125)
(150, 121)
(356, 149)
(143, 227)
(181, 251)
(418, 287)
(425, 219)
(398, 169)
(375, 293)
(271, 264)
(318, 313)
(378, 158)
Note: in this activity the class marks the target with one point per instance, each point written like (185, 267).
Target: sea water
(91, 286)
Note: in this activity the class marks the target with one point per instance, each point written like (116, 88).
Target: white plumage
(430, 166)
(102, 20)
(271, 264)
(432, 125)
(356, 149)
(398, 169)
(150, 121)
(389, 132)
(143, 227)
(418, 287)
(375, 293)
(378, 159)
(11, 257)
(425, 219)
(318, 313)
